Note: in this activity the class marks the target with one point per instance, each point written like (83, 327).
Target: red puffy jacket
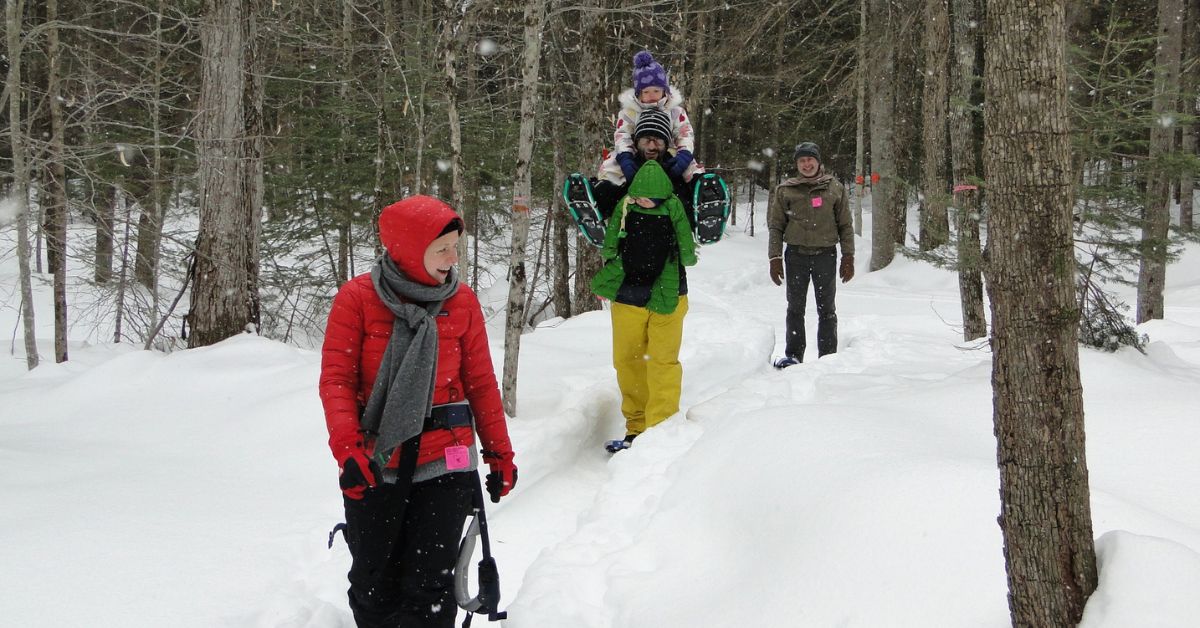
(360, 326)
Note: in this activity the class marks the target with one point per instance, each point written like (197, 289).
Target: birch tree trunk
(1152, 273)
(14, 11)
(591, 60)
(225, 292)
(935, 226)
(451, 43)
(1037, 396)
(964, 167)
(55, 198)
(883, 193)
(531, 61)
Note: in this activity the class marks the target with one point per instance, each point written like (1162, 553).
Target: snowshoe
(581, 204)
(785, 362)
(613, 446)
(711, 200)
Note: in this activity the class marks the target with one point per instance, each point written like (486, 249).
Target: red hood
(406, 228)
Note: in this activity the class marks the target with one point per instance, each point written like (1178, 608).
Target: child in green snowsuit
(647, 244)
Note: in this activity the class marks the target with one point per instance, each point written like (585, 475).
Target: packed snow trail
(197, 489)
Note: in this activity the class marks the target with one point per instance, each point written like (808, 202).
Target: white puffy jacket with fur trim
(681, 132)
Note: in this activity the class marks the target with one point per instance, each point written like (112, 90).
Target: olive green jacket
(813, 214)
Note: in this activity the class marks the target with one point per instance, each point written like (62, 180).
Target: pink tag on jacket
(457, 457)
(817, 201)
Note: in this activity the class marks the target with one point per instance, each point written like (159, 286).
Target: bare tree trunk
(860, 79)
(453, 36)
(105, 221)
(14, 11)
(225, 292)
(1190, 105)
(560, 264)
(882, 46)
(1155, 237)
(592, 27)
(344, 213)
(149, 234)
(963, 165)
(55, 199)
(906, 114)
(127, 214)
(781, 67)
(935, 226)
(387, 59)
(531, 61)
(1037, 397)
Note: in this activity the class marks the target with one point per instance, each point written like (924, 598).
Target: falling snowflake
(487, 47)
(1166, 121)
(755, 165)
(768, 152)
(9, 209)
(443, 165)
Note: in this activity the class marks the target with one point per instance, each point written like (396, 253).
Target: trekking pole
(488, 598)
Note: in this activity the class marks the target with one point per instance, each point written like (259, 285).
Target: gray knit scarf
(403, 394)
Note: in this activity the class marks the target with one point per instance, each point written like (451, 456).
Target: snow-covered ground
(142, 489)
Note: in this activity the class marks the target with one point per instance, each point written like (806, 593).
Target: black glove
(501, 481)
(353, 479)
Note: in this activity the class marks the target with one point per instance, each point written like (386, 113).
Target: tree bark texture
(14, 11)
(1190, 105)
(55, 204)
(531, 59)
(881, 54)
(595, 134)
(451, 42)
(965, 181)
(1152, 273)
(1037, 397)
(225, 291)
(860, 78)
(150, 222)
(935, 225)
(561, 225)
(906, 115)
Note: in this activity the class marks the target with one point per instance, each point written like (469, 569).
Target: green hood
(651, 181)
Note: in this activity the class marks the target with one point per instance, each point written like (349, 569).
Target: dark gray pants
(821, 270)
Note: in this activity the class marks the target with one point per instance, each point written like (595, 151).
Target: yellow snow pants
(646, 356)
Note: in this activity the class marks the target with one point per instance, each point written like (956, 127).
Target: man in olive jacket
(809, 214)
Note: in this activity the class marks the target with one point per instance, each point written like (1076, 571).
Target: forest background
(345, 106)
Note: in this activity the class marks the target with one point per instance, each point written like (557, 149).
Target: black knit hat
(454, 225)
(653, 122)
(806, 149)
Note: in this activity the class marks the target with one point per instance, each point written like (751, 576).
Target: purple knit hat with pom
(648, 73)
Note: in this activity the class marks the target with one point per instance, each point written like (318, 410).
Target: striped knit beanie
(648, 73)
(653, 122)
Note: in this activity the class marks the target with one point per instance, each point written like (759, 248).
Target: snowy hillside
(195, 489)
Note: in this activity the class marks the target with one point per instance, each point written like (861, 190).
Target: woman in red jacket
(407, 382)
